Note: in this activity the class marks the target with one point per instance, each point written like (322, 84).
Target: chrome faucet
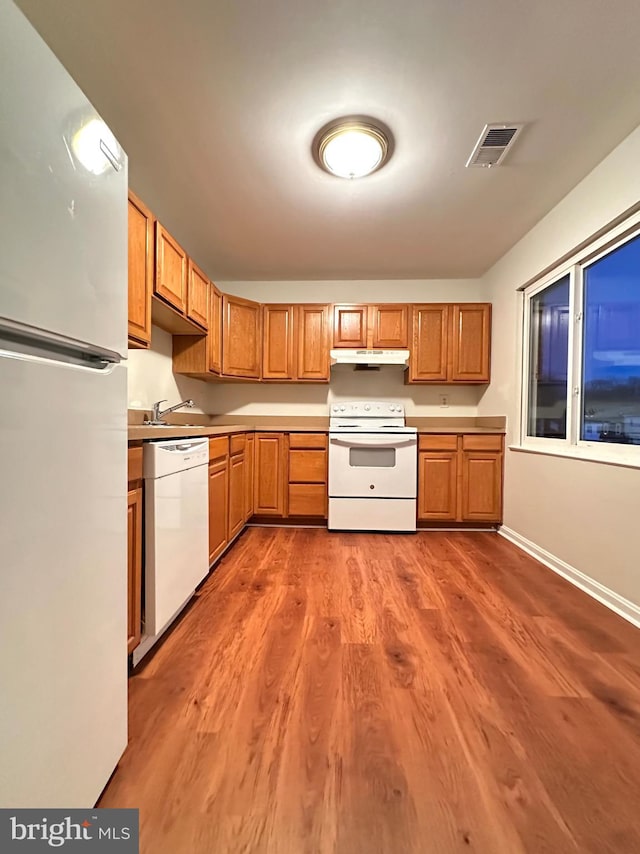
(158, 414)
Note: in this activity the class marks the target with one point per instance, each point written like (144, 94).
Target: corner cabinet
(241, 337)
(460, 478)
(451, 343)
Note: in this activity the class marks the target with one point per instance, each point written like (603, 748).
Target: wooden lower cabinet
(249, 469)
(134, 567)
(268, 492)
(237, 501)
(460, 478)
(218, 503)
(481, 486)
(438, 485)
(308, 499)
(307, 475)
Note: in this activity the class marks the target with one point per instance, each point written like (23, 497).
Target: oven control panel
(368, 409)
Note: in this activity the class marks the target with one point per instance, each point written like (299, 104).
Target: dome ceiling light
(352, 147)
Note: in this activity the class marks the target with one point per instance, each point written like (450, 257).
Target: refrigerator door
(63, 215)
(63, 581)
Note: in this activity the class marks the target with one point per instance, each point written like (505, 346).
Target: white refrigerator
(63, 440)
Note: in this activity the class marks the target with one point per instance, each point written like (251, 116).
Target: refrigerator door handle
(19, 341)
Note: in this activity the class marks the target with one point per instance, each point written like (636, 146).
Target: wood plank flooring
(376, 694)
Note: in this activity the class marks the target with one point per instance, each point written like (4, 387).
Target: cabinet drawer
(482, 442)
(308, 440)
(218, 447)
(308, 499)
(438, 442)
(307, 466)
(135, 464)
(237, 443)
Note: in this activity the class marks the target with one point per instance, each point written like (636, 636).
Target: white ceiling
(217, 102)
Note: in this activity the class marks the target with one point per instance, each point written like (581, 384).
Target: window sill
(589, 455)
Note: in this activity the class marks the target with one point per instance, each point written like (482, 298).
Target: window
(582, 352)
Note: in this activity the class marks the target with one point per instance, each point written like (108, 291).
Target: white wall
(151, 377)
(395, 290)
(582, 512)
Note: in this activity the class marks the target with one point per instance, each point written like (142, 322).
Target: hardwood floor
(375, 694)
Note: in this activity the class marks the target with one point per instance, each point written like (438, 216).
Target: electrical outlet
(444, 401)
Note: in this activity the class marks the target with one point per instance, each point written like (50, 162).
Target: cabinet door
(241, 338)
(141, 254)
(269, 474)
(429, 343)
(214, 338)
(277, 338)
(236, 495)
(390, 326)
(198, 296)
(312, 331)
(170, 281)
(481, 486)
(470, 342)
(249, 477)
(218, 502)
(134, 568)
(437, 485)
(350, 326)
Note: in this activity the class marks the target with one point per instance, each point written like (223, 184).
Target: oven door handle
(391, 442)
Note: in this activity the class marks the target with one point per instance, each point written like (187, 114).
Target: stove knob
(342, 408)
(366, 407)
(334, 408)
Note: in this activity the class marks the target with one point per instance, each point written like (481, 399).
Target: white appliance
(176, 474)
(371, 358)
(63, 433)
(373, 464)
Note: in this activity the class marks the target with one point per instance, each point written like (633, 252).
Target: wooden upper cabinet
(430, 343)
(277, 349)
(141, 258)
(470, 342)
(241, 337)
(350, 326)
(390, 326)
(312, 351)
(268, 473)
(170, 281)
(214, 338)
(198, 296)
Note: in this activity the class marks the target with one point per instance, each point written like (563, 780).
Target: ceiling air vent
(494, 142)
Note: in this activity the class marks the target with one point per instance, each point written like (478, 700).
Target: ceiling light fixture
(352, 147)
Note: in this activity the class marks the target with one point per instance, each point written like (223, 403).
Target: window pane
(548, 355)
(611, 359)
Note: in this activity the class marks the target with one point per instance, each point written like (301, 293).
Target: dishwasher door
(177, 529)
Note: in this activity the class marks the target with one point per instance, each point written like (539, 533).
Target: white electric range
(373, 462)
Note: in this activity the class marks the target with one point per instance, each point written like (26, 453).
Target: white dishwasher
(176, 529)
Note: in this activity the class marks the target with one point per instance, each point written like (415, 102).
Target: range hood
(372, 358)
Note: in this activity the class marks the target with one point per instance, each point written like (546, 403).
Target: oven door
(370, 465)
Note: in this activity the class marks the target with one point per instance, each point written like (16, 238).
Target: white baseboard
(607, 597)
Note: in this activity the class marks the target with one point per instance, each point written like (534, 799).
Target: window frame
(573, 445)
